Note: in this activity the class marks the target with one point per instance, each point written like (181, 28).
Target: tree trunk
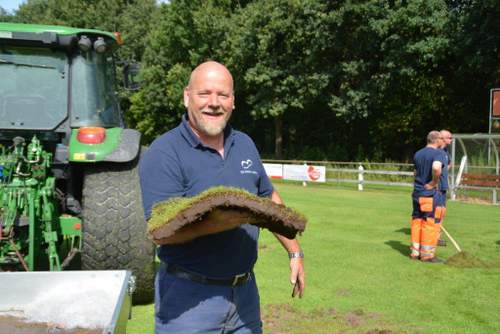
(278, 137)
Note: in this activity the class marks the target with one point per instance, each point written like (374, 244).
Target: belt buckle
(237, 278)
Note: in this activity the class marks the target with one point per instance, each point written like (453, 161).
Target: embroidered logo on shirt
(246, 163)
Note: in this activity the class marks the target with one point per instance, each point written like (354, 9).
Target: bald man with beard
(205, 283)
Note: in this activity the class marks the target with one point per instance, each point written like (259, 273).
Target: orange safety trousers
(425, 227)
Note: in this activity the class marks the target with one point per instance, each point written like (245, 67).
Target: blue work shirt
(443, 179)
(423, 160)
(177, 164)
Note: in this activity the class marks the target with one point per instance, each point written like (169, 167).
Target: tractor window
(33, 87)
(93, 96)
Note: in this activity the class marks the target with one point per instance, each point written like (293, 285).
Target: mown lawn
(359, 278)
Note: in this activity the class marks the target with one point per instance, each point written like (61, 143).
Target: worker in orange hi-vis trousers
(427, 210)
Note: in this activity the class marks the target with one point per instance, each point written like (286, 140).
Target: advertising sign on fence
(307, 173)
(274, 171)
(304, 173)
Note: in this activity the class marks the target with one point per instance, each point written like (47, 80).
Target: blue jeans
(186, 307)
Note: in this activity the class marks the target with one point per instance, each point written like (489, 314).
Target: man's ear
(186, 97)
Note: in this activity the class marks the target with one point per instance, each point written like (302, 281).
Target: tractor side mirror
(131, 76)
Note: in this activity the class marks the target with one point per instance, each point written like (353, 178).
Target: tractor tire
(114, 229)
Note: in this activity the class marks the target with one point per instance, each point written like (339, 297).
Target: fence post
(360, 177)
(304, 183)
(463, 163)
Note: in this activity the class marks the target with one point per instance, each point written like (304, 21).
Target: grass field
(359, 277)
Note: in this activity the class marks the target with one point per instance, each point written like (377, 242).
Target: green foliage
(108, 15)
(186, 34)
(5, 16)
(320, 78)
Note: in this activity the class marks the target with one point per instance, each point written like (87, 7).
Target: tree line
(314, 79)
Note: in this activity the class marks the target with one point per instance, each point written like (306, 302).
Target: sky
(11, 5)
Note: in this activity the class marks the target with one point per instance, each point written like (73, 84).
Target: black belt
(231, 281)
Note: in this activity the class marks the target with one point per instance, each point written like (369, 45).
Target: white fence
(362, 173)
(387, 174)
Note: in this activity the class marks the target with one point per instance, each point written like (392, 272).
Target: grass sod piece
(169, 216)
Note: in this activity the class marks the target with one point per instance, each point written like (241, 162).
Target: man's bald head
(433, 137)
(209, 69)
(447, 138)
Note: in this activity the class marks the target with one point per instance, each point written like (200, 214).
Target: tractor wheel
(114, 229)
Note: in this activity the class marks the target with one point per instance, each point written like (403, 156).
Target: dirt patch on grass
(343, 293)
(465, 260)
(286, 319)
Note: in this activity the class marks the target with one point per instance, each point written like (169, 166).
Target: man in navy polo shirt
(206, 282)
(443, 180)
(425, 223)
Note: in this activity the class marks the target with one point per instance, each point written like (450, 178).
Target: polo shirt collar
(194, 141)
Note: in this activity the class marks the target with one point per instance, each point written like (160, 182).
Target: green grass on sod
(359, 277)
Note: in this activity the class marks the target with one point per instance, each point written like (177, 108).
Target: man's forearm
(291, 245)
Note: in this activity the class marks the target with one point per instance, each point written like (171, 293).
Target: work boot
(432, 260)
(442, 243)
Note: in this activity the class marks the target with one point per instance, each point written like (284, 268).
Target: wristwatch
(292, 255)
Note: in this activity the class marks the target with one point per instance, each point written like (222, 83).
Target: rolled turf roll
(222, 208)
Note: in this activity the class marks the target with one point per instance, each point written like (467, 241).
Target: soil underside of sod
(168, 217)
(17, 325)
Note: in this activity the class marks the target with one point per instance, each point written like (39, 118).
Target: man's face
(447, 137)
(209, 100)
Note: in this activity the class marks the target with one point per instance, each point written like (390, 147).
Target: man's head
(434, 139)
(209, 98)
(447, 137)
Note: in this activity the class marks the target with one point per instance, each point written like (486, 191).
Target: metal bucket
(45, 296)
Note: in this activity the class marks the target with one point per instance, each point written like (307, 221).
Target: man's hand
(297, 276)
(429, 185)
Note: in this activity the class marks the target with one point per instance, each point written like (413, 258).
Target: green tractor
(69, 190)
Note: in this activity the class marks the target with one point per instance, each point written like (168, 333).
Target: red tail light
(119, 39)
(91, 135)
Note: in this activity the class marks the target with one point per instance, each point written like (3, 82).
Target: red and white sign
(304, 173)
(274, 171)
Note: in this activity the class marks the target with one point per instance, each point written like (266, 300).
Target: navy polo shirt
(423, 161)
(443, 179)
(177, 164)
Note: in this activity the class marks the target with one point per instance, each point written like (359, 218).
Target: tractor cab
(55, 79)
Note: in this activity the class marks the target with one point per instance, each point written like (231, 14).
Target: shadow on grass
(498, 242)
(399, 246)
(405, 230)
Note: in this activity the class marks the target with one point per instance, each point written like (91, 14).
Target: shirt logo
(245, 164)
